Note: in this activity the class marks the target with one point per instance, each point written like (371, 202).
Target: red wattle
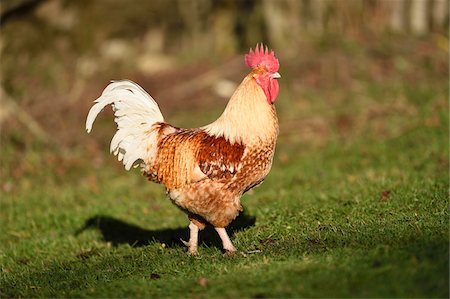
(273, 90)
(269, 86)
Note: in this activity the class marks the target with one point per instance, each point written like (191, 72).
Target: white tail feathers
(136, 112)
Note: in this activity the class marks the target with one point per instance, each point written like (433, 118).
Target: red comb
(262, 56)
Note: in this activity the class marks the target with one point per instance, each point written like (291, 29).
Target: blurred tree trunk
(419, 16)
(397, 15)
(439, 13)
(223, 34)
(193, 15)
(282, 20)
(317, 9)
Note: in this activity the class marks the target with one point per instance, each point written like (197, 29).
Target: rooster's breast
(256, 164)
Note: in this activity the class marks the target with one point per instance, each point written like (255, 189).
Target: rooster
(205, 170)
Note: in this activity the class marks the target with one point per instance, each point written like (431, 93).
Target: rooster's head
(265, 70)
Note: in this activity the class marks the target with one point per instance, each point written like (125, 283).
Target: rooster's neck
(248, 118)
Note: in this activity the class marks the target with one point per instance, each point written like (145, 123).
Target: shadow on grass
(119, 232)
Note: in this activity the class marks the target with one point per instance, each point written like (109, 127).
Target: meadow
(356, 204)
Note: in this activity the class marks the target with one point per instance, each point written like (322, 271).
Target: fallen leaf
(385, 195)
(202, 281)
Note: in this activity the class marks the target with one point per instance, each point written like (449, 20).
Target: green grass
(321, 229)
(356, 204)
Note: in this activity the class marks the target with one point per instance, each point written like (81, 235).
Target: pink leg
(193, 239)
(227, 245)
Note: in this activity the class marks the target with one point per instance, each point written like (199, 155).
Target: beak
(276, 75)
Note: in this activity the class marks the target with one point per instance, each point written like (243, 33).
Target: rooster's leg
(227, 245)
(193, 239)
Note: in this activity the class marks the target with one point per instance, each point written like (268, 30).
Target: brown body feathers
(204, 172)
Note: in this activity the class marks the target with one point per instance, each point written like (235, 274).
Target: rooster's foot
(192, 252)
(192, 249)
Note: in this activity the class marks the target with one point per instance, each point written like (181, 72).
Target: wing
(217, 158)
(189, 155)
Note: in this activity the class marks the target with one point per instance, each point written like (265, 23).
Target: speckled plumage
(205, 170)
(205, 174)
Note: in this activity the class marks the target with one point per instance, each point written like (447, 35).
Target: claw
(192, 252)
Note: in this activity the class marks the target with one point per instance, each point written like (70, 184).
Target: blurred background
(349, 69)
(356, 204)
